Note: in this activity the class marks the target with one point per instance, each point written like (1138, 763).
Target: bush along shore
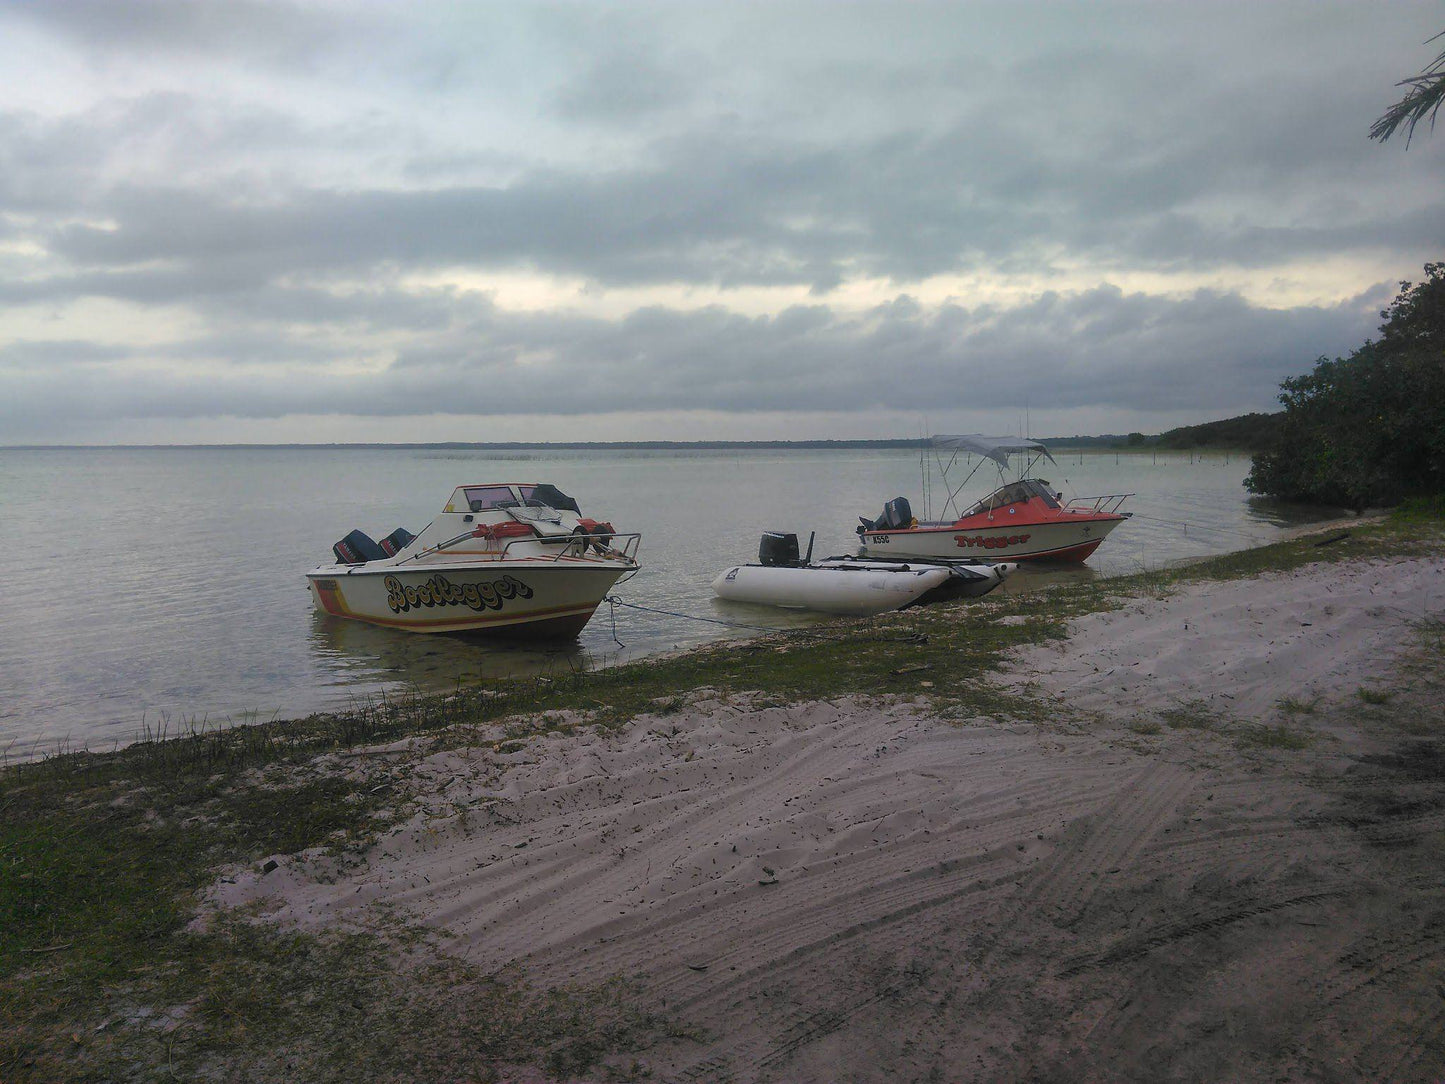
(113, 966)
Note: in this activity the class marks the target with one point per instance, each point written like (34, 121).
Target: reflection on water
(356, 651)
(184, 598)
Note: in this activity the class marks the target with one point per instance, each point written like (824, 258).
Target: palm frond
(1427, 92)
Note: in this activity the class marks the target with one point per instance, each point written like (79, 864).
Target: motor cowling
(357, 548)
(778, 549)
(397, 541)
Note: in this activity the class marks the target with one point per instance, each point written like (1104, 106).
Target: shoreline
(807, 854)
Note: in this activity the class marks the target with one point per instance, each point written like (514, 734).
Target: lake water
(157, 587)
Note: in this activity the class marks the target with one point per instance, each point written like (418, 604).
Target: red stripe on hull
(1073, 554)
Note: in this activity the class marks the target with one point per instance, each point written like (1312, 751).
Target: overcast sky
(243, 221)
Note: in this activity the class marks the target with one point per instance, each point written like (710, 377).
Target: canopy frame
(989, 449)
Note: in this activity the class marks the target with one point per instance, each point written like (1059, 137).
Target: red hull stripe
(1068, 553)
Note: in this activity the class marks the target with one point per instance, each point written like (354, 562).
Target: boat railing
(572, 545)
(575, 545)
(1107, 505)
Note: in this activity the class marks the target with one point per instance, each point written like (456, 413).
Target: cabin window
(1044, 493)
(480, 498)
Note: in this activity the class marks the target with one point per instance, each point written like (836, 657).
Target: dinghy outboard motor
(778, 550)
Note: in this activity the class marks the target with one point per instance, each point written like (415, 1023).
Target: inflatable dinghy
(856, 586)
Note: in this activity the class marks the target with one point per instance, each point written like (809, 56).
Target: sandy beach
(1208, 849)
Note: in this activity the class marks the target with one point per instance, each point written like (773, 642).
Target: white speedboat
(511, 558)
(856, 586)
(1022, 520)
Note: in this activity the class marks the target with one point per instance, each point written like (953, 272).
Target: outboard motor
(897, 515)
(397, 541)
(777, 549)
(357, 548)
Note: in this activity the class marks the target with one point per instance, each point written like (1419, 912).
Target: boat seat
(543, 518)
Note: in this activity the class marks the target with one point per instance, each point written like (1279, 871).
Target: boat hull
(513, 598)
(1055, 540)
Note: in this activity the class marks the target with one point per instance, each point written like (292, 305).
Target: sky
(266, 222)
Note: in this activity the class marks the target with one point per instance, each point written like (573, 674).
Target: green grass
(1190, 715)
(1293, 705)
(102, 856)
(1271, 737)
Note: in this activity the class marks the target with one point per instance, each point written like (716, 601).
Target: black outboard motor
(897, 515)
(357, 548)
(397, 541)
(778, 550)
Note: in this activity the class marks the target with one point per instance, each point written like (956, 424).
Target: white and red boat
(1022, 520)
(517, 559)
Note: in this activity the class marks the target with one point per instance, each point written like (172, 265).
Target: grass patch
(1373, 697)
(1293, 705)
(1190, 715)
(1271, 737)
(288, 1006)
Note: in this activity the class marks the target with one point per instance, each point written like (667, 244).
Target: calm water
(157, 587)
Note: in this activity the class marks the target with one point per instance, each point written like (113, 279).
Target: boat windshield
(1014, 493)
(480, 498)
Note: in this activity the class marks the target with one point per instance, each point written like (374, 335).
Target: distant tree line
(1248, 431)
(1367, 430)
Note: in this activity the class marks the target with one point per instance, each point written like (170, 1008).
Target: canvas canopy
(996, 448)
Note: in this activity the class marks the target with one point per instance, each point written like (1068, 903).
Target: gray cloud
(268, 179)
(1133, 351)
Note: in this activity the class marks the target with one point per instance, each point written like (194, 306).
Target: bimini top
(996, 448)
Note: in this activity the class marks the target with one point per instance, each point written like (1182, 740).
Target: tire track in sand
(1062, 885)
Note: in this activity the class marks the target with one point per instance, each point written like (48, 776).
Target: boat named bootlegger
(516, 559)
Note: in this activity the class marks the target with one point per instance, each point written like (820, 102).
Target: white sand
(859, 890)
(1242, 646)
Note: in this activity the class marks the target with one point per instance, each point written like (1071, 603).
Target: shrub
(1369, 429)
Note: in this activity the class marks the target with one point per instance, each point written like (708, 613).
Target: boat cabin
(487, 520)
(1024, 491)
(485, 498)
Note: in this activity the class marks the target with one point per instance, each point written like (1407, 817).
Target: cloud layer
(269, 211)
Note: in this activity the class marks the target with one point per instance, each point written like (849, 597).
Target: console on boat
(1023, 520)
(506, 557)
